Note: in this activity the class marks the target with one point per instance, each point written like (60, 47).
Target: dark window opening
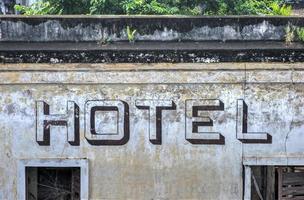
(48, 183)
(277, 183)
(291, 183)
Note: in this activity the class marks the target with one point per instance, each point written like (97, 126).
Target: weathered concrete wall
(158, 39)
(149, 28)
(139, 169)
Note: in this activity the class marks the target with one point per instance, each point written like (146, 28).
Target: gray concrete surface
(185, 165)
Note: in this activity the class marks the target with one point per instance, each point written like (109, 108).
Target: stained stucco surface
(176, 169)
(107, 28)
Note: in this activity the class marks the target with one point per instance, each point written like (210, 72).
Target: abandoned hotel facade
(195, 108)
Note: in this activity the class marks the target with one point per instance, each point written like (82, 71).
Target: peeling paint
(176, 169)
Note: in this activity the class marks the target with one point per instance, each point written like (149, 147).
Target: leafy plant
(105, 41)
(289, 34)
(54, 7)
(264, 7)
(67, 7)
(165, 7)
(38, 8)
(292, 32)
(218, 7)
(105, 7)
(158, 7)
(131, 34)
(300, 33)
(283, 10)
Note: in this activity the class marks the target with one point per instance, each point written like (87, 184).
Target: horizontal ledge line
(223, 83)
(149, 70)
